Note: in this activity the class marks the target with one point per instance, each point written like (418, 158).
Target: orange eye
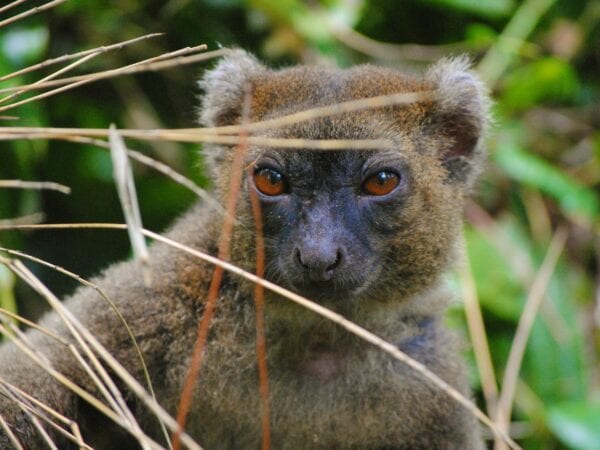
(269, 181)
(381, 183)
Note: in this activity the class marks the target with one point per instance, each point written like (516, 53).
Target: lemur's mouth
(328, 291)
(345, 287)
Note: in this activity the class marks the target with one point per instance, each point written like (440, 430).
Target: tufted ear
(224, 88)
(459, 117)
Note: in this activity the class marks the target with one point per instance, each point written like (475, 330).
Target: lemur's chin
(327, 291)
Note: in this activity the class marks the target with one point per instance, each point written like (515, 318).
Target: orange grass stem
(261, 343)
(215, 284)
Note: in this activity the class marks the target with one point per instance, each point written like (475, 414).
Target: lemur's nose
(320, 262)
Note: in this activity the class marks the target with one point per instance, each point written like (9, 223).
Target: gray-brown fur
(329, 390)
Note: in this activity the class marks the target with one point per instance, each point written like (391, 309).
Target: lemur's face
(339, 225)
(327, 215)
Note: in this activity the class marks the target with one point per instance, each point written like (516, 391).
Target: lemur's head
(354, 222)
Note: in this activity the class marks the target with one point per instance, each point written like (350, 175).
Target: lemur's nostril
(336, 263)
(299, 259)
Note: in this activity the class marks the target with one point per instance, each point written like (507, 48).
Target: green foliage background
(544, 165)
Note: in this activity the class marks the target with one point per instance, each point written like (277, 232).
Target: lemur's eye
(381, 183)
(269, 181)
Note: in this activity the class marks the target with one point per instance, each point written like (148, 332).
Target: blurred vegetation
(541, 58)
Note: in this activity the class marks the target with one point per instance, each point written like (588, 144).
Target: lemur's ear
(224, 88)
(459, 117)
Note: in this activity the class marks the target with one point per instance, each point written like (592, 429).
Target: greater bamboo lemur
(367, 233)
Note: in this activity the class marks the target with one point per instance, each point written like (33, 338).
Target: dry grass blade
(123, 176)
(198, 135)
(538, 215)
(29, 12)
(478, 335)
(155, 63)
(393, 52)
(114, 365)
(34, 325)
(121, 372)
(174, 175)
(53, 75)
(104, 383)
(20, 184)
(24, 220)
(36, 422)
(57, 375)
(11, 436)
(380, 101)
(136, 387)
(353, 328)
(80, 332)
(103, 295)
(143, 66)
(42, 406)
(32, 414)
(16, 331)
(104, 386)
(19, 269)
(172, 58)
(11, 5)
(303, 144)
(32, 407)
(517, 350)
(171, 55)
(63, 58)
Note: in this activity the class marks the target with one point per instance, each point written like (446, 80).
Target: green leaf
(497, 288)
(549, 79)
(577, 424)
(96, 164)
(480, 36)
(531, 170)
(555, 364)
(483, 8)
